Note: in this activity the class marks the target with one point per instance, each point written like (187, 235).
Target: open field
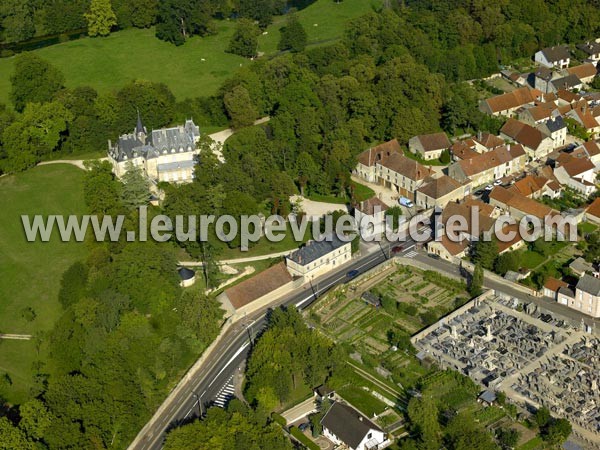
(31, 272)
(108, 63)
(323, 21)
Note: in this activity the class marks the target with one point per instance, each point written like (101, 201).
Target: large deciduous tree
(100, 18)
(244, 41)
(293, 35)
(35, 134)
(34, 80)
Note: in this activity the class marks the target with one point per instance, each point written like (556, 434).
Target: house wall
(367, 173)
(376, 436)
(436, 248)
(403, 185)
(586, 303)
(322, 265)
(426, 202)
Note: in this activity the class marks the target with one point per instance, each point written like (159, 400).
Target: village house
(518, 79)
(554, 57)
(484, 168)
(587, 296)
(387, 165)
(580, 267)
(589, 149)
(463, 149)
(533, 186)
(519, 206)
(343, 425)
(537, 114)
(568, 82)
(592, 49)
(577, 173)
(429, 146)
(440, 191)
(258, 289)
(477, 218)
(366, 166)
(370, 217)
(318, 257)
(556, 128)
(536, 144)
(592, 212)
(551, 287)
(585, 117)
(507, 104)
(543, 76)
(167, 154)
(484, 142)
(585, 72)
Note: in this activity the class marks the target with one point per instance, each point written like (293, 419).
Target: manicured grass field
(324, 21)
(108, 63)
(31, 272)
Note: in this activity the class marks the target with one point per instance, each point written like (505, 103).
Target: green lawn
(107, 63)
(531, 259)
(323, 21)
(533, 444)
(31, 272)
(362, 400)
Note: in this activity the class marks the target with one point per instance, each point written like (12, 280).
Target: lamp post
(199, 401)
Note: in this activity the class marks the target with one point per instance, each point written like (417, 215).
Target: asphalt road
(201, 391)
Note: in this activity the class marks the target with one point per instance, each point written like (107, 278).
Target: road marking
(411, 254)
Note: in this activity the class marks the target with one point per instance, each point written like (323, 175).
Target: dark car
(479, 192)
(433, 255)
(352, 274)
(304, 426)
(397, 249)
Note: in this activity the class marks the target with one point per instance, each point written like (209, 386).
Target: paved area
(300, 411)
(221, 136)
(16, 337)
(316, 210)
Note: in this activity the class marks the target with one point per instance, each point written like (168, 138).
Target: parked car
(433, 255)
(479, 192)
(489, 187)
(498, 182)
(352, 274)
(406, 202)
(304, 426)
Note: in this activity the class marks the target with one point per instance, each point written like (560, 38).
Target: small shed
(487, 397)
(323, 392)
(187, 276)
(371, 299)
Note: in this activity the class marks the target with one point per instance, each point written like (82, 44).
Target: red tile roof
(369, 206)
(523, 133)
(379, 153)
(511, 100)
(439, 187)
(594, 208)
(434, 141)
(491, 159)
(258, 286)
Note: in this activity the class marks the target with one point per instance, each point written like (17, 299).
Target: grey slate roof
(315, 249)
(166, 167)
(185, 273)
(488, 396)
(591, 48)
(347, 424)
(555, 124)
(589, 284)
(566, 292)
(557, 53)
(165, 140)
(567, 82)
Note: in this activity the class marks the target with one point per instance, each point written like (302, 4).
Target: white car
(498, 182)
(489, 187)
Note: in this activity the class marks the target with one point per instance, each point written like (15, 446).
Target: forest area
(128, 331)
